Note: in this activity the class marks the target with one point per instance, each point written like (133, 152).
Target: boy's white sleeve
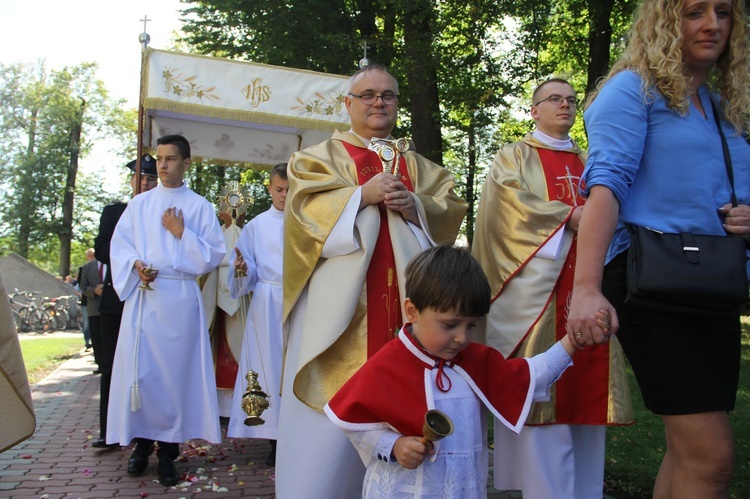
(373, 444)
(548, 367)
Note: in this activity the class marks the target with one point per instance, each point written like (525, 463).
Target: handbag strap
(727, 156)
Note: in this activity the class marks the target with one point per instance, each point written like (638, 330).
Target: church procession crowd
(346, 327)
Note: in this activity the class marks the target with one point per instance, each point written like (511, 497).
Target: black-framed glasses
(368, 99)
(556, 100)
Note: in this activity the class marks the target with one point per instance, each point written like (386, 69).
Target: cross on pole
(144, 37)
(145, 20)
(364, 61)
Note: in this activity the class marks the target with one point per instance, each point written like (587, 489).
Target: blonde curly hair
(654, 51)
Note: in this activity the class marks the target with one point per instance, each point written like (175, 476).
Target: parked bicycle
(32, 316)
(56, 308)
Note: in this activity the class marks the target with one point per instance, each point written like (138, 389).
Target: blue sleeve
(616, 124)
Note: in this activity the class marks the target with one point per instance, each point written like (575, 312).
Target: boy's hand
(603, 320)
(239, 262)
(146, 278)
(410, 451)
(174, 222)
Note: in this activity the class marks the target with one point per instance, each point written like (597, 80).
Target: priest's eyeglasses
(368, 99)
(556, 100)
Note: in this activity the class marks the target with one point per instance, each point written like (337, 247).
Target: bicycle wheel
(23, 313)
(63, 320)
(43, 322)
(18, 321)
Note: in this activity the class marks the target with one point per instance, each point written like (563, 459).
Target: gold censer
(254, 400)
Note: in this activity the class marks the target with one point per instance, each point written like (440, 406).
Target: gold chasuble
(351, 304)
(527, 199)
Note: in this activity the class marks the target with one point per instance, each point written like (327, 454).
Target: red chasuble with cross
(383, 300)
(563, 172)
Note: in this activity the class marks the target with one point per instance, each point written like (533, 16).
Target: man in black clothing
(110, 306)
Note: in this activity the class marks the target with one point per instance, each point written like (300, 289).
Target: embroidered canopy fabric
(234, 111)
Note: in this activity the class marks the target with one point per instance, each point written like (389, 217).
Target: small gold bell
(254, 400)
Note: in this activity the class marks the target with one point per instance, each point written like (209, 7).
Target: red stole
(225, 365)
(383, 300)
(563, 171)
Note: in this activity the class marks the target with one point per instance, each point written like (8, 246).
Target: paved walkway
(58, 461)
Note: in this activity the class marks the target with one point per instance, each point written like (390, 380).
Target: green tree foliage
(49, 121)
(320, 35)
(466, 67)
(210, 180)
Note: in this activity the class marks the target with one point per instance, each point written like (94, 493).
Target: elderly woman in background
(656, 160)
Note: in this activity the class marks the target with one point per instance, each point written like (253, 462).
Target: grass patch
(634, 453)
(41, 356)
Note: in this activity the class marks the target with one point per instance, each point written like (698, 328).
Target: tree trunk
(422, 79)
(198, 177)
(470, 175)
(66, 231)
(600, 39)
(26, 186)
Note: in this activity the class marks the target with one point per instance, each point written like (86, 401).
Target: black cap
(148, 165)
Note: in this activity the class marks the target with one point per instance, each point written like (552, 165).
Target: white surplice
(261, 244)
(163, 385)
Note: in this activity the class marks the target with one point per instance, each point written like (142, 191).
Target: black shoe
(101, 443)
(137, 464)
(138, 461)
(167, 472)
(271, 458)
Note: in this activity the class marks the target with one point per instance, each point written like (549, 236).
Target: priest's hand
(402, 201)
(375, 189)
(239, 262)
(145, 277)
(410, 451)
(575, 219)
(174, 222)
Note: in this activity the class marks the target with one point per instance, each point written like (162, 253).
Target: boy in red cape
(433, 364)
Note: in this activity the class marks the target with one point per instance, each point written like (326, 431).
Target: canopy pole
(143, 39)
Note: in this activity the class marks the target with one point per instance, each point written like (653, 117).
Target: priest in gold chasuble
(525, 240)
(353, 222)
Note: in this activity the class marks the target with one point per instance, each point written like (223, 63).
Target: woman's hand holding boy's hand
(410, 451)
(602, 319)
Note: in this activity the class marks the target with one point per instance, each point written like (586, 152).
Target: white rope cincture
(135, 393)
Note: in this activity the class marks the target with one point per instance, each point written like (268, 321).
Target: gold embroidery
(391, 303)
(325, 106)
(256, 92)
(568, 187)
(184, 86)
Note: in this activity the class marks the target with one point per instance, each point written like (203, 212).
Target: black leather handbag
(686, 272)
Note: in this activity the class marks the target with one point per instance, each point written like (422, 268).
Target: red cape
(390, 390)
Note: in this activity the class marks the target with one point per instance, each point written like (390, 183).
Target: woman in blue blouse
(656, 160)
